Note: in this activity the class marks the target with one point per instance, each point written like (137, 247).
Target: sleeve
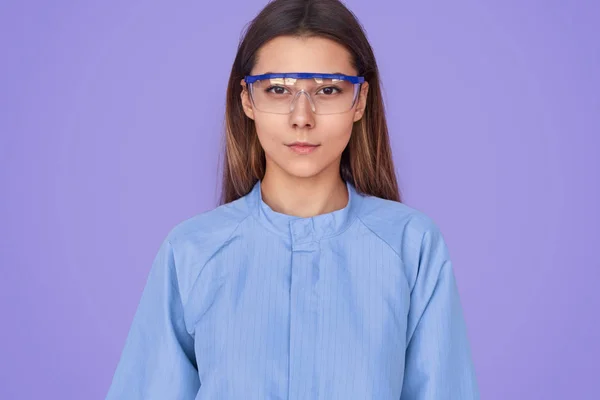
(158, 360)
(438, 363)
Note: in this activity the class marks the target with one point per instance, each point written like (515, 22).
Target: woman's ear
(246, 103)
(361, 102)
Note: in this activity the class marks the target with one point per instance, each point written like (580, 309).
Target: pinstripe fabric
(243, 302)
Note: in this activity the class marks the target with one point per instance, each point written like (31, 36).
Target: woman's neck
(304, 197)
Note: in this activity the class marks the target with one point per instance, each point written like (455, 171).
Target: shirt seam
(429, 298)
(206, 262)
(265, 226)
(354, 216)
(380, 238)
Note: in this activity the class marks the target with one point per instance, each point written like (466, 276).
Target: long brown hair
(367, 160)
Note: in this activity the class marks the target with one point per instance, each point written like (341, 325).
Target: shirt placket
(303, 374)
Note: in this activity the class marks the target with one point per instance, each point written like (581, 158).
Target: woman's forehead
(292, 54)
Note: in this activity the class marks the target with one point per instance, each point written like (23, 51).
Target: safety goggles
(278, 93)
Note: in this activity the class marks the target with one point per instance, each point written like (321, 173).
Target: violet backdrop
(110, 131)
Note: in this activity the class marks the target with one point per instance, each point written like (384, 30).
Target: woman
(312, 280)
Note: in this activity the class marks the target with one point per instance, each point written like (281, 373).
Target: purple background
(110, 129)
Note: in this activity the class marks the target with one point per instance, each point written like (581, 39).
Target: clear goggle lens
(324, 94)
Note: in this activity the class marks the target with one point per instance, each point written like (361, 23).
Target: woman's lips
(300, 148)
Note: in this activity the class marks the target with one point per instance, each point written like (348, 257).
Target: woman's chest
(325, 319)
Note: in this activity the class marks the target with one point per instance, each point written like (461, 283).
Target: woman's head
(276, 131)
(319, 36)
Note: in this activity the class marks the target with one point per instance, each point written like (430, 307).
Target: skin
(309, 184)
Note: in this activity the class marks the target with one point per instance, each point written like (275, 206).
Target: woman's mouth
(303, 148)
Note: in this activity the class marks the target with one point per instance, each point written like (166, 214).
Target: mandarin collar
(304, 229)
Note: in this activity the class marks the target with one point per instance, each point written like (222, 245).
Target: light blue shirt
(243, 302)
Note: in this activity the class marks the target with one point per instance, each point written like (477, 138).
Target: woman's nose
(302, 110)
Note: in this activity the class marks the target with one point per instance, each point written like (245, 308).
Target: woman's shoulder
(214, 224)
(411, 233)
(383, 214)
(396, 223)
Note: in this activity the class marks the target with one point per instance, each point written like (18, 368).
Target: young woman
(312, 280)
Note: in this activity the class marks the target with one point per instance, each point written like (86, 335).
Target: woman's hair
(367, 160)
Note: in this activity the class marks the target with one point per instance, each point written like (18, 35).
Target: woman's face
(277, 131)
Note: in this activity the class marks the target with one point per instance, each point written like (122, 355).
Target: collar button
(302, 229)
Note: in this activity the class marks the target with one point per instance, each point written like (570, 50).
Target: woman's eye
(329, 90)
(277, 90)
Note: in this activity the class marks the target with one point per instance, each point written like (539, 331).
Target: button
(302, 230)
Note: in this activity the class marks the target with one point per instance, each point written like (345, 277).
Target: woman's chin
(303, 170)
(300, 167)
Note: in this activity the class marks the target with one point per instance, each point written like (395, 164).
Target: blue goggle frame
(304, 75)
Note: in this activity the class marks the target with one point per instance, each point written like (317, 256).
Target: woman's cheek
(270, 143)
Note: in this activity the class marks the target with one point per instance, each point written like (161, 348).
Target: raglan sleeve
(158, 359)
(438, 364)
